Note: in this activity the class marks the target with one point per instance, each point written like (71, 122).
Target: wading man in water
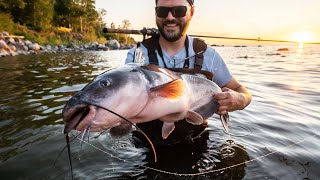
(175, 49)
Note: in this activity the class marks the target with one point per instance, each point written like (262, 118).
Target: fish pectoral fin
(194, 118)
(167, 129)
(172, 90)
(121, 130)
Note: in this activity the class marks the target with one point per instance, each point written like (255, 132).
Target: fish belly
(163, 109)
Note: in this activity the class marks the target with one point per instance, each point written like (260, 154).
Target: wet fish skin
(140, 93)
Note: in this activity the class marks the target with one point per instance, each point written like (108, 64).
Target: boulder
(34, 47)
(12, 48)
(114, 44)
(3, 45)
(21, 47)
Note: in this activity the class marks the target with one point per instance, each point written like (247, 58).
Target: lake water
(276, 137)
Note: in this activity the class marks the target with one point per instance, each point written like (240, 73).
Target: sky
(295, 20)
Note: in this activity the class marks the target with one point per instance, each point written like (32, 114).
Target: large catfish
(140, 93)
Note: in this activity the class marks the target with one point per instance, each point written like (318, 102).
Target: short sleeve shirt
(212, 61)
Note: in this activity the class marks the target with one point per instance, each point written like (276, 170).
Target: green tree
(39, 13)
(62, 13)
(13, 7)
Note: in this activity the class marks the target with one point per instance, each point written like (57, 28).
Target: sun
(302, 36)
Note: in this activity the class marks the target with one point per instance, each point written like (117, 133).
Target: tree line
(80, 16)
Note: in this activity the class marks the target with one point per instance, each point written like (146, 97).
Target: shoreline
(11, 45)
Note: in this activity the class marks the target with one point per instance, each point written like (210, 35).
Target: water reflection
(34, 90)
(284, 110)
(196, 158)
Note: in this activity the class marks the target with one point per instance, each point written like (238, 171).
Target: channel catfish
(140, 93)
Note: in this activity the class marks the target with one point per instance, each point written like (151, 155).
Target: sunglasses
(176, 11)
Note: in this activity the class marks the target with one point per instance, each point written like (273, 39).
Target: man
(172, 49)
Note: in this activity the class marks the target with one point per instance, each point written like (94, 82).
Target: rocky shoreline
(11, 45)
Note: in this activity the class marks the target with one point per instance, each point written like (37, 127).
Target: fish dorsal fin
(121, 130)
(167, 129)
(172, 90)
(194, 118)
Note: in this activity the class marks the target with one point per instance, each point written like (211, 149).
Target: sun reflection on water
(299, 52)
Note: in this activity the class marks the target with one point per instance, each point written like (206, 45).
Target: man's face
(172, 27)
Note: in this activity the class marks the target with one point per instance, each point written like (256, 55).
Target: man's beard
(171, 36)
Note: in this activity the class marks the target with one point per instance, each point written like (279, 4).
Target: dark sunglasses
(177, 11)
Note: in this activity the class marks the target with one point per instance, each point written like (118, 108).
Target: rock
(283, 49)
(48, 47)
(34, 47)
(114, 44)
(27, 43)
(5, 33)
(21, 47)
(72, 45)
(10, 40)
(273, 54)
(94, 44)
(55, 48)
(18, 40)
(102, 47)
(61, 47)
(3, 53)
(245, 57)
(12, 48)
(16, 45)
(86, 46)
(3, 45)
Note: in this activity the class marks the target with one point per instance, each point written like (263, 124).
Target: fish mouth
(78, 117)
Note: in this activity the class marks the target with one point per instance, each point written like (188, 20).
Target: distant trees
(80, 16)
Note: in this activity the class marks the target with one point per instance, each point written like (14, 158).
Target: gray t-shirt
(212, 62)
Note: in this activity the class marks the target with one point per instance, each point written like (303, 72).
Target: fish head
(122, 90)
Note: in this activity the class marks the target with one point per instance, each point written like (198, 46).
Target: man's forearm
(244, 97)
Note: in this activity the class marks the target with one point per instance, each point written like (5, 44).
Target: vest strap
(199, 47)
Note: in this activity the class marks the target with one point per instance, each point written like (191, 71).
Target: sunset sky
(296, 20)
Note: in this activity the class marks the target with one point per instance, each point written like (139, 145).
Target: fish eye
(105, 82)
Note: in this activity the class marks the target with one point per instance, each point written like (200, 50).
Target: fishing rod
(145, 31)
(155, 32)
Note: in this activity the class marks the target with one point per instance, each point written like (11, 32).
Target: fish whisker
(84, 133)
(69, 154)
(54, 164)
(144, 134)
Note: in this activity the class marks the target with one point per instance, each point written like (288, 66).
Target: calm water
(276, 137)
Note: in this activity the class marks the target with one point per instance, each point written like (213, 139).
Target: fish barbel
(140, 93)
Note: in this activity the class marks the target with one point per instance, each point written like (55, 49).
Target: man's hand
(233, 97)
(229, 100)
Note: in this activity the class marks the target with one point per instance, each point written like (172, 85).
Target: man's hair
(191, 2)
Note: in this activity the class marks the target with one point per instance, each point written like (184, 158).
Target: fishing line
(200, 173)
(150, 142)
(54, 164)
(184, 59)
(247, 130)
